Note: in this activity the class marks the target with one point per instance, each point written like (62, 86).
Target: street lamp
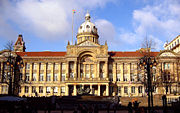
(147, 62)
(14, 64)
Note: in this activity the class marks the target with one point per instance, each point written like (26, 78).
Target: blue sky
(46, 24)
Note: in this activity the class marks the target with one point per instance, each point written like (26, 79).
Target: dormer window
(80, 27)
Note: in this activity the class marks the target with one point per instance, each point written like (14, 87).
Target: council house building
(87, 65)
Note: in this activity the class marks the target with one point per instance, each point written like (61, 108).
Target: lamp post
(14, 63)
(147, 63)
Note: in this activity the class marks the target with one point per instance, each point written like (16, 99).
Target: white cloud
(48, 19)
(159, 21)
(106, 31)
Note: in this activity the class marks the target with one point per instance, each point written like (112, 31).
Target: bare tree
(9, 45)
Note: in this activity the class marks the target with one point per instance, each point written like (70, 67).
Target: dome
(87, 26)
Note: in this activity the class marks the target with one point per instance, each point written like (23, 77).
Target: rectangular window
(125, 89)
(48, 89)
(27, 77)
(166, 65)
(55, 77)
(119, 89)
(92, 75)
(87, 75)
(110, 76)
(19, 89)
(34, 77)
(125, 77)
(33, 89)
(62, 89)
(34, 66)
(41, 77)
(118, 77)
(62, 77)
(48, 78)
(92, 67)
(27, 66)
(71, 75)
(132, 77)
(41, 66)
(133, 89)
(87, 67)
(63, 66)
(48, 66)
(55, 89)
(26, 89)
(40, 89)
(140, 89)
(4, 90)
(56, 66)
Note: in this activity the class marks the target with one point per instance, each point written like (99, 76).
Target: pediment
(167, 54)
(87, 43)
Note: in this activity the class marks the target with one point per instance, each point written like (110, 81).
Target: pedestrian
(130, 110)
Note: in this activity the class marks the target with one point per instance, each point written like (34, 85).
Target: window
(119, 89)
(110, 76)
(118, 77)
(33, 89)
(166, 66)
(87, 26)
(125, 77)
(140, 89)
(132, 77)
(27, 77)
(71, 75)
(178, 41)
(34, 77)
(41, 77)
(133, 89)
(48, 77)
(41, 66)
(27, 66)
(48, 89)
(19, 89)
(40, 89)
(87, 67)
(34, 66)
(55, 77)
(92, 67)
(110, 66)
(63, 66)
(125, 89)
(62, 89)
(48, 66)
(92, 75)
(56, 67)
(55, 89)
(26, 89)
(4, 90)
(63, 77)
(87, 75)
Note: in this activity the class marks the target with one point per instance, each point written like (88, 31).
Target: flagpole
(72, 25)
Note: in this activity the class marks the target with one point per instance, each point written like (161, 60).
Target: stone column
(45, 69)
(79, 68)
(75, 70)
(60, 72)
(67, 70)
(91, 88)
(106, 70)
(128, 73)
(24, 72)
(52, 71)
(122, 72)
(99, 90)
(67, 90)
(98, 69)
(1, 70)
(75, 91)
(30, 72)
(114, 71)
(107, 90)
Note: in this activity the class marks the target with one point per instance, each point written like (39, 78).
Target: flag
(74, 11)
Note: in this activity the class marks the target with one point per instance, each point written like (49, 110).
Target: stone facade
(87, 64)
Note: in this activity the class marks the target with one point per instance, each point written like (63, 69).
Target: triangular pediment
(167, 53)
(87, 43)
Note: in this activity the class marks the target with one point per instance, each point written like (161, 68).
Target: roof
(39, 54)
(129, 54)
(57, 54)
